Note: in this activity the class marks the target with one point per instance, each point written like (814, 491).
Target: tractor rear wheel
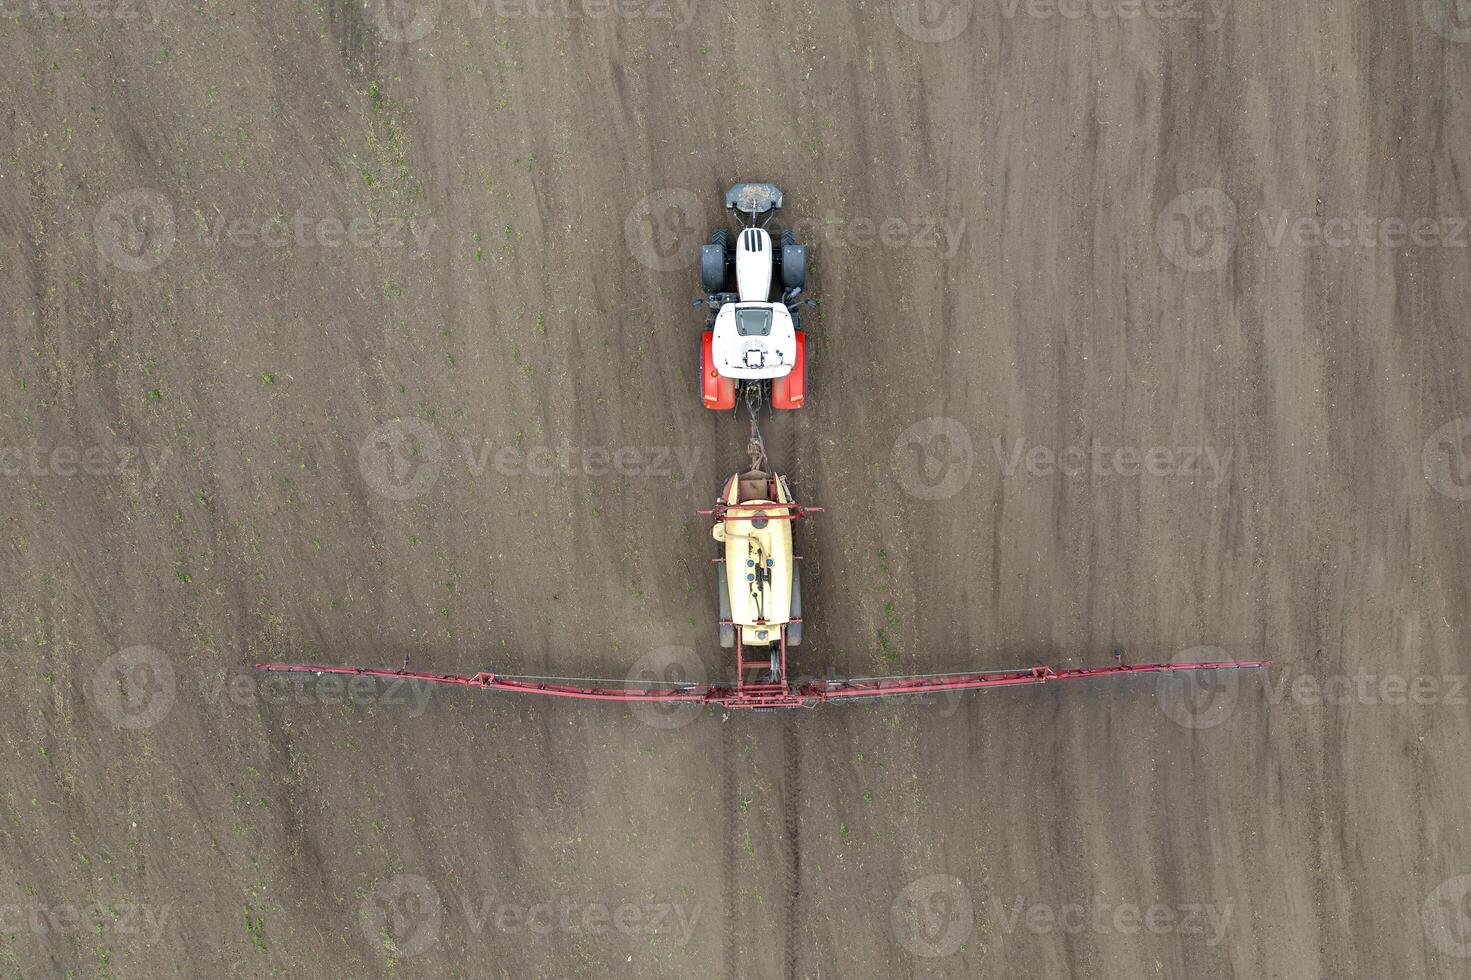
(727, 631)
(794, 630)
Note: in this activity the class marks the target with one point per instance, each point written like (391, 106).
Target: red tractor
(753, 348)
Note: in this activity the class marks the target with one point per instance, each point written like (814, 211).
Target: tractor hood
(753, 263)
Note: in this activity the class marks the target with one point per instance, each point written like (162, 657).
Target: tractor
(753, 348)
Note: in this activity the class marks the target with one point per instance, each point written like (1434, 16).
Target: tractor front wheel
(714, 262)
(793, 261)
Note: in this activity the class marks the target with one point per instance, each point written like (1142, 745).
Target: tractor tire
(793, 263)
(727, 631)
(712, 269)
(794, 630)
(715, 262)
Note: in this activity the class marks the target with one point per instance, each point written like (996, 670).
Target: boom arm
(806, 695)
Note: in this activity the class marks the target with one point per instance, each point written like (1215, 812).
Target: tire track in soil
(730, 948)
(792, 754)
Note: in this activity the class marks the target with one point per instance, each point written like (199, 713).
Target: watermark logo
(134, 231)
(572, 918)
(116, 10)
(322, 689)
(135, 688)
(1100, 460)
(677, 463)
(1451, 19)
(1104, 918)
(1198, 699)
(1369, 690)
(832, 230)
(400, 459)
(329, 231)
(933, 21)
(678, 12)
(934, 458)
(95, 918)
(404, 21)
(1363, 230)
(665, 229)
(1212, 12)
(402, 915)
(933, 916)
(1197, 229)
(663, 669)
(1446, 917)
(1446, 459)
(71, 461)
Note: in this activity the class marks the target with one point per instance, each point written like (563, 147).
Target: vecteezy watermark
(667, 669)
(933, 916)
(676, 12)
(1451, 19)
(932, 21)
(400, 459)
(134, 231)
(1446, 459)
(303, 231)
(1368, 688)
(1197, 229)
(249, 688)
(1190, 462)
(563, 915)
(1446, 917)
(404, 916)
(410, 21)
(1211, 13)
(1099, 916)
(1198, 699)
(832, 230)
(95, 918)
(933, 458)
(404, 21)
(135, 688)
(664, 229)
(1363, 230)
(403, 458)
(126, 11)
(71, 461)
(632, 462)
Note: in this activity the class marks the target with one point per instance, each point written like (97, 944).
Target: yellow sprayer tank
(758, 554)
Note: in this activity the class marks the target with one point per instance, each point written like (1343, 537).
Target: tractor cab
(754, 341)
